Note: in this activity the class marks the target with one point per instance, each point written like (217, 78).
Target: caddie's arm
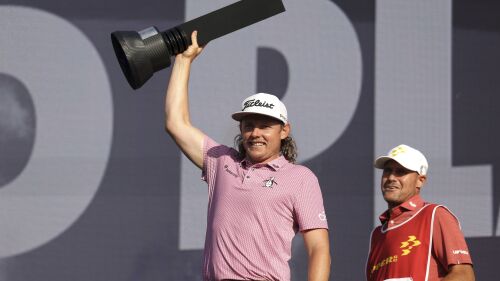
(318, 249)
(460, 272)
(177, 118)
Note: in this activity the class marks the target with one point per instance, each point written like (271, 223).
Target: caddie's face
(262, 137)
(399, 184)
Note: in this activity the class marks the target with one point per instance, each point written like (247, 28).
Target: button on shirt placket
(253, 176)
(248, 175)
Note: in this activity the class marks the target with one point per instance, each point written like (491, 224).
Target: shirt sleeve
(207, 144)
(449, 243)
(309, 209)
(212, 153)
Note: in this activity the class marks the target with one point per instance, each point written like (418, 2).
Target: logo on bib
(409, 244)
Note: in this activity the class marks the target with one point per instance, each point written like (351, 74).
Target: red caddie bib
(403, 251)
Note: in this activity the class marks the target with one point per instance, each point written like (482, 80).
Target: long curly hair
(288, 148)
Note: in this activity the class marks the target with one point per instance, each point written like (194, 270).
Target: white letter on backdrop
(68, 84)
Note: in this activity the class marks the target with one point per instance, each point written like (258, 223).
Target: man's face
(399, 184)
(262, 137)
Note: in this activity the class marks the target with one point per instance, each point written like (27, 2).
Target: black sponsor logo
(259, 103)
(230, 172)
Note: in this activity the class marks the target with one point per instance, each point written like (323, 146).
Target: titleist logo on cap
(254, 102)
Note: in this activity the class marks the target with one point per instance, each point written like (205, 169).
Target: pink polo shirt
(254, 211)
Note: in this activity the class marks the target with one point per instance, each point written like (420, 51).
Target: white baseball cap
(264, 104)
(406, 156)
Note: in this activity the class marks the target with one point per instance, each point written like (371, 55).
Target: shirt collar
(275, 164)
(413, 204)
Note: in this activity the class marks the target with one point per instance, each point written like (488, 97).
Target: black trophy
(142, 53)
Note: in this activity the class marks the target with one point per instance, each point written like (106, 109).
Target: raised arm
(177, 118)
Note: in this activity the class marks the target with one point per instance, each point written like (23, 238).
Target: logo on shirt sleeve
(322, 216)
(460, 252)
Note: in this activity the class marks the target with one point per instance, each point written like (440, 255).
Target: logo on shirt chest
(269, 182)
(226, 168)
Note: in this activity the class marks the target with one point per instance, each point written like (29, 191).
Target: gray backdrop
(91, 188)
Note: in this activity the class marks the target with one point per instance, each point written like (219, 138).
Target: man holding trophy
(258, 198)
